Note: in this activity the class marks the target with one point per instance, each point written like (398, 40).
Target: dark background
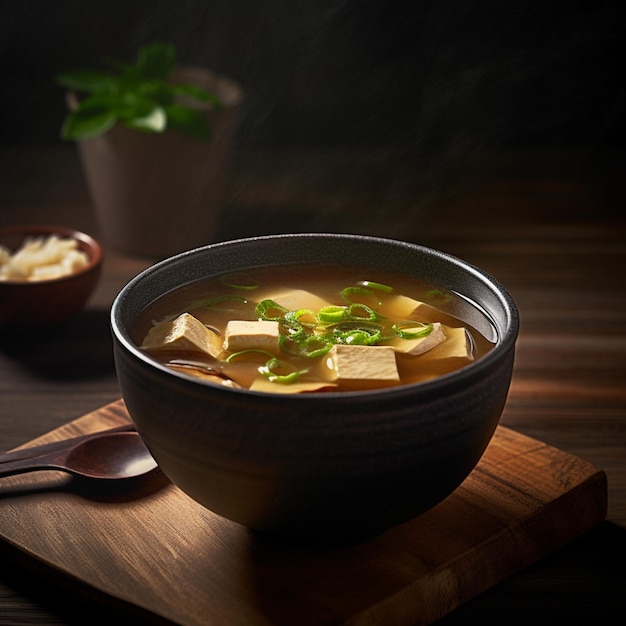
(444, 77)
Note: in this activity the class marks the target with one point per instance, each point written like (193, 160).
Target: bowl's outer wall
(321, 462)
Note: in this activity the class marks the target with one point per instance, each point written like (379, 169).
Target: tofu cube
(399, 306)
(296, 299)
(423, 344)
(182, 333)
(251, 335)
(457, 345)
(450, 342)
(375, 365)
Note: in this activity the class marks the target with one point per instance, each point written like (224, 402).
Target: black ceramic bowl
(327, 465)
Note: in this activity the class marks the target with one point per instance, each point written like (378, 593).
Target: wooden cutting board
(152, 546)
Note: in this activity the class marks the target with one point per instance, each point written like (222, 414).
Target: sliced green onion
(309, 346)
(291, 328)
(315, 346)
(403, 329)
(306, 317)
(239, 280)
(236, 355)
(370, 314)
(357, 337)
(214, 303)
(365, 325)
(332, 314)
(291, 345)
(373, 285)
(440, 296)
(270, 310)
(270, 369)
(357, 334)
(349, 293)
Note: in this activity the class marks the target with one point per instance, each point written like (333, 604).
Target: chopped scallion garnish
(291, 328)
(355, 333)
(355, 309)
(355, 295)
(410, 329)
(271, 370)
(216, 302)
(438, 296)
(332, 314)
(315, 346)
(306, 317)
(270, 311)
(373, 285)
(291, 345)
(236, 355)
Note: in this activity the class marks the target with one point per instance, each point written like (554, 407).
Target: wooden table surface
(549, 224)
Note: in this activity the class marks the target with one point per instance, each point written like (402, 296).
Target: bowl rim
(506, 340)
(95, 249)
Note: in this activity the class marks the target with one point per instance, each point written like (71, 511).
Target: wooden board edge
(59, 586)
(458, 582)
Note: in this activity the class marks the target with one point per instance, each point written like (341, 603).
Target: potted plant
(155, 142)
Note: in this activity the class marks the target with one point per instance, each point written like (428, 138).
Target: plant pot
(155, 195)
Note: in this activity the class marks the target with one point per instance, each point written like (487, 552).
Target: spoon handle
(43, 462)
(57, 446)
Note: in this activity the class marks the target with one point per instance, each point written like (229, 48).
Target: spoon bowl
(104, 456)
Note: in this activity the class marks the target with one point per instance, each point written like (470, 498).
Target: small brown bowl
(47, 302)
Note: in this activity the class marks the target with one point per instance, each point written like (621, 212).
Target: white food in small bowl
(42, 258)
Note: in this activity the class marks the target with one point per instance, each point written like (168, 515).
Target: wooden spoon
(103, 456)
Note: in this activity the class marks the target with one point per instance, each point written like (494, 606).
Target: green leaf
(137, 95)
(90, 81)
(93, 117)
(156, 60)
(192, 122)
(133, 104)
(196, 92)
(156, 91)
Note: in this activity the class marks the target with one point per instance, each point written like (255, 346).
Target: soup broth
(303, 329)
